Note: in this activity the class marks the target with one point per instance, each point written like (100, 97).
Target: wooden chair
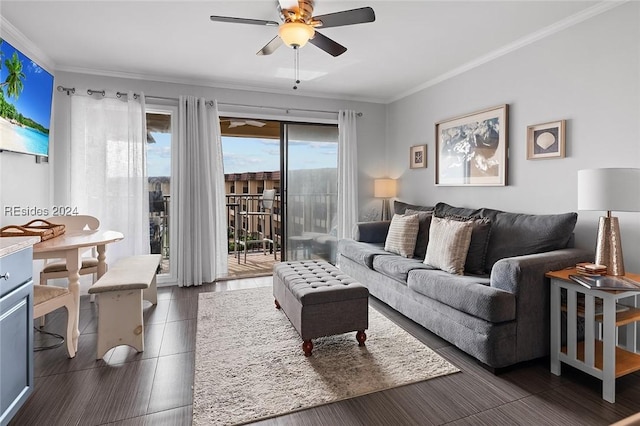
(47, 299)
(58, 268)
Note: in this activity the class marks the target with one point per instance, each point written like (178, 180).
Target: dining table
(70, 246)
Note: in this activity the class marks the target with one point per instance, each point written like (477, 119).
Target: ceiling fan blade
(233, 20)
(346, 17)
(270, 47)
(325, 43)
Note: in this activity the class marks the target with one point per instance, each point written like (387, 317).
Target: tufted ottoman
(320, 300)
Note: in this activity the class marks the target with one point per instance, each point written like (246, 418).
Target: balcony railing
(159, 227)
(252, 227)
(308, 214)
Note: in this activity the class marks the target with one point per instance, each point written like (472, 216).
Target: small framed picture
(546, 140)
(418, 156)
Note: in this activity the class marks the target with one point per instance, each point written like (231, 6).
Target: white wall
(371, 126)
(588, 74)
(24, 185)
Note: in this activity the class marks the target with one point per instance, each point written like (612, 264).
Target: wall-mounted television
(26, 90)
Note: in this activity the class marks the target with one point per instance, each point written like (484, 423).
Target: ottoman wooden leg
(307, 347)
(361, 337)
(277, 304)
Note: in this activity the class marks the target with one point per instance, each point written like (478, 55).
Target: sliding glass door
(310, 187)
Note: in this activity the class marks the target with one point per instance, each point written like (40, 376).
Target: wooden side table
(597, 355)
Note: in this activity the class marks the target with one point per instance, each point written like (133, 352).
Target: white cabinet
(16, 328)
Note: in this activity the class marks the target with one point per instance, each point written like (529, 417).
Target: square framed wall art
(418, 157)
(546, 140)
(471, 150)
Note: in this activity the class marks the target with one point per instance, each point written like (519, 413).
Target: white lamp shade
(609, 190)
(295, 33)
(384, 188)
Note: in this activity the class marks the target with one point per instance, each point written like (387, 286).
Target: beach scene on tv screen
(25, 103)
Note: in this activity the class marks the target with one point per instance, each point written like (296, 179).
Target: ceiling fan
(298, 25)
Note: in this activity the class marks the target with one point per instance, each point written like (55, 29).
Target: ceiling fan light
(295, 33)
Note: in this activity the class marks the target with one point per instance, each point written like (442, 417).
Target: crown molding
(20, 41)
(518, 44)
(26, 46)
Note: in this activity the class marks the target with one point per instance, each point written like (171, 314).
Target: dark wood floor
(155, 387)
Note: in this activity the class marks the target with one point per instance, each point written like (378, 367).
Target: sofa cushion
(400, 207)
(468, 294)
(424, 223)
(444, 209)
(361, 253)
(397, 267)
(371, 232)
(516, 234)
(402, 235)
(448, 244)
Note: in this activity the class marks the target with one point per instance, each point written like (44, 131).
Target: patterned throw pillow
(401, 238)
(448, 244)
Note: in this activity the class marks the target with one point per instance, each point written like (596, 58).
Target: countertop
(10, 245)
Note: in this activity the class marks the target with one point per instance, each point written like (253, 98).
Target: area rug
(250, 364)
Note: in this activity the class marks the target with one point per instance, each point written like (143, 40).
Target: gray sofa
(500, 314)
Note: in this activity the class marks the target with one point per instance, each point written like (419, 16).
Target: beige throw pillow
(448, 244)
(401, 238)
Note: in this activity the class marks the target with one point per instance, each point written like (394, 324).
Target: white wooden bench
(121, 291)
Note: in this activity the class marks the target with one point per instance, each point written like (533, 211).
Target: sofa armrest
(512, 273)
(371, 232)
(524, 277)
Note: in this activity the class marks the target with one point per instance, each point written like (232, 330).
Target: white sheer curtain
(108, 176)
(347, 173)
(201, 204)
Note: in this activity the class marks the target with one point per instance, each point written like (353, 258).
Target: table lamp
(609, 190)
(384, 188)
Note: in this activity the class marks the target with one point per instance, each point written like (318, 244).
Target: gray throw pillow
(480, 234)
(515, 234)
(424, 222)
(400, 207)
(448, 245)
(444, 209)
(401, 238)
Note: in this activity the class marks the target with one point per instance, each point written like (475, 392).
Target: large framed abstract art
(472, 149)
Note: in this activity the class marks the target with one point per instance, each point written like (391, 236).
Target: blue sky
(256, 155)
(35, 100)
(159, 155)
(249, 155)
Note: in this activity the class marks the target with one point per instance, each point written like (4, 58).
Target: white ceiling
(410, 45)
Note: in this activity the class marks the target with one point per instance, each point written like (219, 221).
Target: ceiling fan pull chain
(296, 66)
